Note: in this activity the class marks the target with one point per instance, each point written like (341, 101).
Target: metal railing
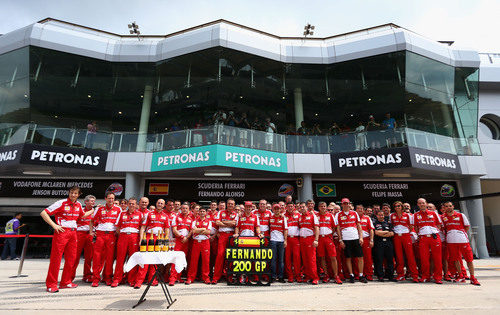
(233, 136)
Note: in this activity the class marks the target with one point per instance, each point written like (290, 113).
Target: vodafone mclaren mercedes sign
(395, 158)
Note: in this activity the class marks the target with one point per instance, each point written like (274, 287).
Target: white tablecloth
(156, 258)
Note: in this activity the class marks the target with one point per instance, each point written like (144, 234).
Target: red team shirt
(426, 222)
(105, 218)
(66, 213)
(326, 224)
(247, 224)
(264, 217)
(198, 224)
(401, 223)
(130, 222)
(157, 222)
(227, 216)
(83, 224)
(366, 225)
(348, 223)
(308, 221)
(292, 221)
(183, 224)
(454, 225)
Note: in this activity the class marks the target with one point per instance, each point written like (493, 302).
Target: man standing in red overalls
(212, 216)
(66, 213)
(200, 229)
(309, 236)
(456, 226)
(84, 241)
(127, 227)
(181, 228)
(104, 221)
(154, 223)
(402, 223)
(226, 221)
(292, 250)
(428, 224)
(326, 248)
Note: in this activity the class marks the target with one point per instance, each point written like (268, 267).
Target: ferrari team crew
(346, 242)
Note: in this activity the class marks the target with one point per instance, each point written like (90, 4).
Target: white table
(178, 258)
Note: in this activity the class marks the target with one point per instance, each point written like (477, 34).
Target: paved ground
(27, 296)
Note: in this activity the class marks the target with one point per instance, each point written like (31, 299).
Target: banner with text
(221, 155)
(196, 190)
(58, 188)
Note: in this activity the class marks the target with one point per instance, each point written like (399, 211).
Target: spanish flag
(248, 241)
(158, 189)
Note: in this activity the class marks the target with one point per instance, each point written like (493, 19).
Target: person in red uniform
(248, 224)
(264, 215)
(84, 241)
(402, 223)
(212, 216)
(155, 222)
(226, 222)
(427, 225)
(66, 213)
(326, 248)
(104, 221)
(456, 226)
(181, 228)
(127, 226)
(278, 230)
(368, 234)
(200, 229)
(292, 251)
(350, 238)
(310, 207)
(309, 238)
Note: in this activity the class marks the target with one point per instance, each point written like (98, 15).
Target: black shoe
(351, 279)
(282, 280)
(363, 279)
(393, 280)
(380, 279)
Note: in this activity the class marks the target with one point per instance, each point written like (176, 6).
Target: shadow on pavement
(147, 304)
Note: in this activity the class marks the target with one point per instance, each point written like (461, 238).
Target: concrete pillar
(306, 192)
(133, 186)
(472, 186)
(299, 108)
(144, 122)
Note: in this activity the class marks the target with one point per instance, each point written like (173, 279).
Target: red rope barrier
(24, 235)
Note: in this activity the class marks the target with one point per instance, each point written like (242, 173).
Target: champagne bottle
(157, 243)
(144, 243)
(151, 243)
(165, 243)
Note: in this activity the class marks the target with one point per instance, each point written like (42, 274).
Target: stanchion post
(23, 256)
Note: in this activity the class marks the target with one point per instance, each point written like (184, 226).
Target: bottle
(165, 244)
(158, 242)
(151, 243)
(144, 243)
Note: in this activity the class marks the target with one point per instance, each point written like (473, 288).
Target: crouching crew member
(383, 248)
(66, 213)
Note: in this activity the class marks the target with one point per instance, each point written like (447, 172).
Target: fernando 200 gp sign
(249, 261)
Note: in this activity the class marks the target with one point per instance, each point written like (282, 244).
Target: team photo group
(414, 241)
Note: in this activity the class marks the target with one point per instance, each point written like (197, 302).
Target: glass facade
(394, 99)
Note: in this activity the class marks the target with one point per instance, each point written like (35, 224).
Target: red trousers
(430, 246)
(198, 249)
(127, 244)
(340, 258)
(404, 248)
(213, 252)
(148, 270)
(63, 243)
(292, 257)
(104, 255)
(84, 243)
(367, 258)
(179, 246)
(221, 254)
(308, 252)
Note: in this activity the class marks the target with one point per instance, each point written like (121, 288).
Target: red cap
(248, 203)
(345, 200)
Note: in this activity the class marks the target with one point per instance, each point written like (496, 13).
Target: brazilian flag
(326, 190)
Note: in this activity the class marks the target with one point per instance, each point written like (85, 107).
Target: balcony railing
(220, 134)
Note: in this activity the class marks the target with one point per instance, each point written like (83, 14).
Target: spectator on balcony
(256, 125)
(390, 124)
(244, 124)
(303, 131)
(360, 139)
(270, 130)
(231, 121)
(91, 132)
(316, 141)
(373, 129)
(198, 136)
(334, 129)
